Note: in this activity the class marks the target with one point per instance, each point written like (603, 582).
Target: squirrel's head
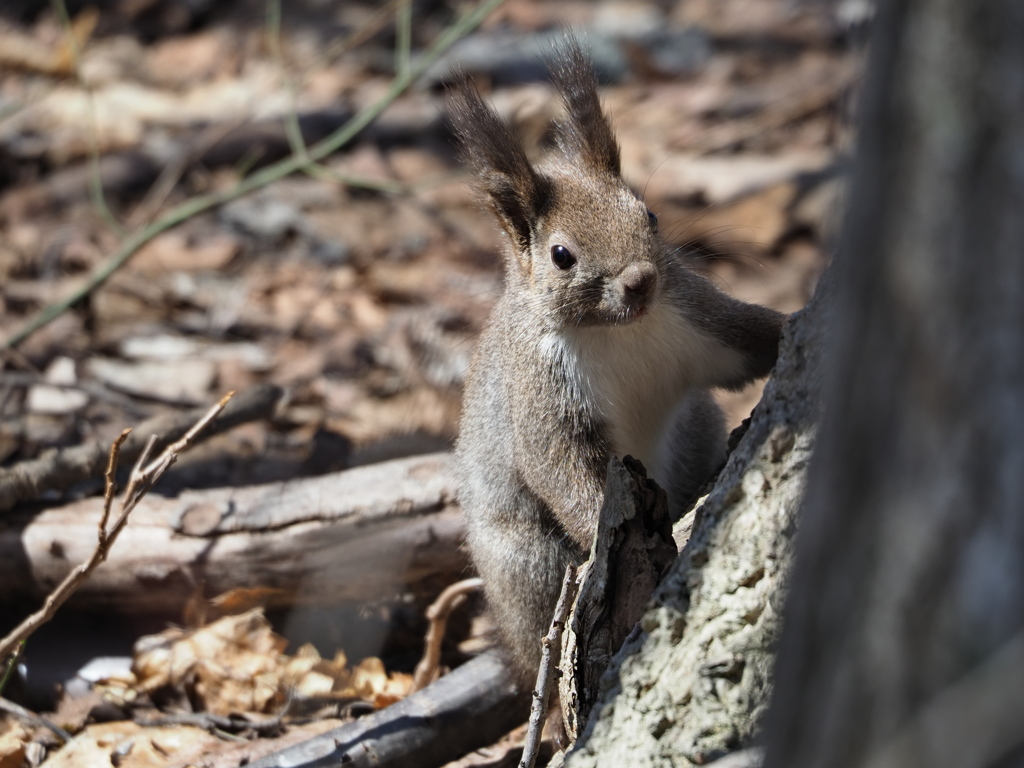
(583, 247)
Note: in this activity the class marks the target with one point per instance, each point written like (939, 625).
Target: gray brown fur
(611, 356)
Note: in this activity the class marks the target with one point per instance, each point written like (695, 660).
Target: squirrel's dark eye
(562, 257)
(652, 220)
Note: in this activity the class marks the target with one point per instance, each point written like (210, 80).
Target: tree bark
(633, 549)
(905, 636)
(693, 682)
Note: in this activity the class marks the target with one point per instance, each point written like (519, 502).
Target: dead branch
(551, 647)
(357, 535)
(469, 708)
(213, 723)
(140, 481)
(18, 711)
(10, 665)
(437, 614)
(59, 470)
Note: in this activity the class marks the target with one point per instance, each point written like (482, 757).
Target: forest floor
(359, 285)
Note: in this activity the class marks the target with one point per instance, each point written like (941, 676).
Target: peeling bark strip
(353, 535)
(694, 682)
(632, 550)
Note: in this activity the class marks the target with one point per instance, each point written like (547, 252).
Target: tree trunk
(693, 682)
(904, 642)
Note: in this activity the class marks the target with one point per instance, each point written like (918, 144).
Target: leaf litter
(363, 303)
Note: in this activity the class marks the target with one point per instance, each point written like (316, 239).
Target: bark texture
(362, 534)
(690, 685)
(905, 636)
(632, 550)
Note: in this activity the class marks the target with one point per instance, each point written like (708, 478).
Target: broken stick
(551, 651)
(143, 475)
(437, 614)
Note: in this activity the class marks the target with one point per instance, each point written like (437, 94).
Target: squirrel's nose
(638, 280)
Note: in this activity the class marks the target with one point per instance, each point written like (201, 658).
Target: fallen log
(58, 470)
(467, 709)
(356, 535)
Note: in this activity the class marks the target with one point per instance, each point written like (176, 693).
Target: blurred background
(359, 284)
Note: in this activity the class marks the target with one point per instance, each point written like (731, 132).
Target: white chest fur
(633, 377)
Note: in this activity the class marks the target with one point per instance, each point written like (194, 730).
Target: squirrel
(602, 344)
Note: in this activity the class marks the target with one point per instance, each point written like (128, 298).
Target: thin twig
(136, 480)
(437, 614)
(142, 478)
(261, 178)
(12, 664)
(367, 30)
(403, 37)
(292, 128)
(551, 645)
(174, 170)
(21, 713)
(110, 483)
(95, 180)
(217, 723)
(318, 171)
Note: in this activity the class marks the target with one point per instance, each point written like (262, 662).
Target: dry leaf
(128, 745)
(369, 678)
(233, 664)
(237, 664)
(14, 737)
(172, 251)
(398, 686)
(243, 599)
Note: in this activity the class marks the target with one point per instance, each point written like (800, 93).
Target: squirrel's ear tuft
(516, 192)
(585, 133)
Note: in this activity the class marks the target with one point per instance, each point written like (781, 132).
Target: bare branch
(10, 665)
(21, 713)
(551, 647)
(403, 37)
(142, 478)
(437, 614)
(110, 487)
